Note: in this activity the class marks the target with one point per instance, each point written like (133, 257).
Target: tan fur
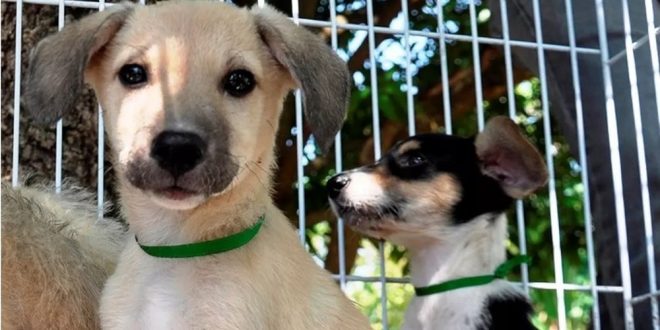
(407, 146)
(436, 196)
(429, 200)
(55, 258)
(187, 48)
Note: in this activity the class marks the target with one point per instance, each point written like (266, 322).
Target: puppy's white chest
(144, 293)
(451, 311)
(163, 303)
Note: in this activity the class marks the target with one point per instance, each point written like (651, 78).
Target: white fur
(183, 204)
(259, 286)
(472, 249)
(363, 190)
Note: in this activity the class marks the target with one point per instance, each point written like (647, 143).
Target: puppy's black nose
(178, 152)
(336, 184)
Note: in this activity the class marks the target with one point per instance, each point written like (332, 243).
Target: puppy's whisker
(260, 167)
(247, 166)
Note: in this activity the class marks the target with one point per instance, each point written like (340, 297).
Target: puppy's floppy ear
(319, 72)
(508, 157)
(57, 65)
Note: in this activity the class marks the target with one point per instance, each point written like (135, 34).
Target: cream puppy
(192, 94)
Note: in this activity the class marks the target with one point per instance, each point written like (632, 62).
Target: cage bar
(373, 66)
(552, 193)
(100, 161)
(299, 145)
(444, 70)
(644, 297)
(409, 86)
(533, 285)
(615, 160)
(635, 45)
(476, 62)
(17, 95)
(59, 130)
(641, 159)
(584, 173)
(338, 159)
(511, 101)
(300, 167)
(373, 76)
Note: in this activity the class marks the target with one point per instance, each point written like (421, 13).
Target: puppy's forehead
(195, 30)
(194, 18)
(432, 143)
(407, 145)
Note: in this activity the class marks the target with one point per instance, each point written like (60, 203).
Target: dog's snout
(336, 184)
(178, 152)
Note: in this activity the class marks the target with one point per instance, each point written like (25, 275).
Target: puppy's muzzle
(178, 152)
(183, 160)
(356, 197)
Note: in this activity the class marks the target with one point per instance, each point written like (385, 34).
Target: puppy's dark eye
(412, 160)
(132, 75)
(239, 83)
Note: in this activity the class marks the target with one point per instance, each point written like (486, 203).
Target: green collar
(500, 272)
(205, 248)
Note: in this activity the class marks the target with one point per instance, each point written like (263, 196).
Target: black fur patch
(507, 313)
(457, 156)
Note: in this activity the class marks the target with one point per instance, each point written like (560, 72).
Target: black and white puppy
(444, 198)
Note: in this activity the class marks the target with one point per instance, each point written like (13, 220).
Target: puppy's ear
(508, 157)
(57, 65)
(318, 71)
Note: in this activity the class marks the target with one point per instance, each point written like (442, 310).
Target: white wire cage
(375, 33)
